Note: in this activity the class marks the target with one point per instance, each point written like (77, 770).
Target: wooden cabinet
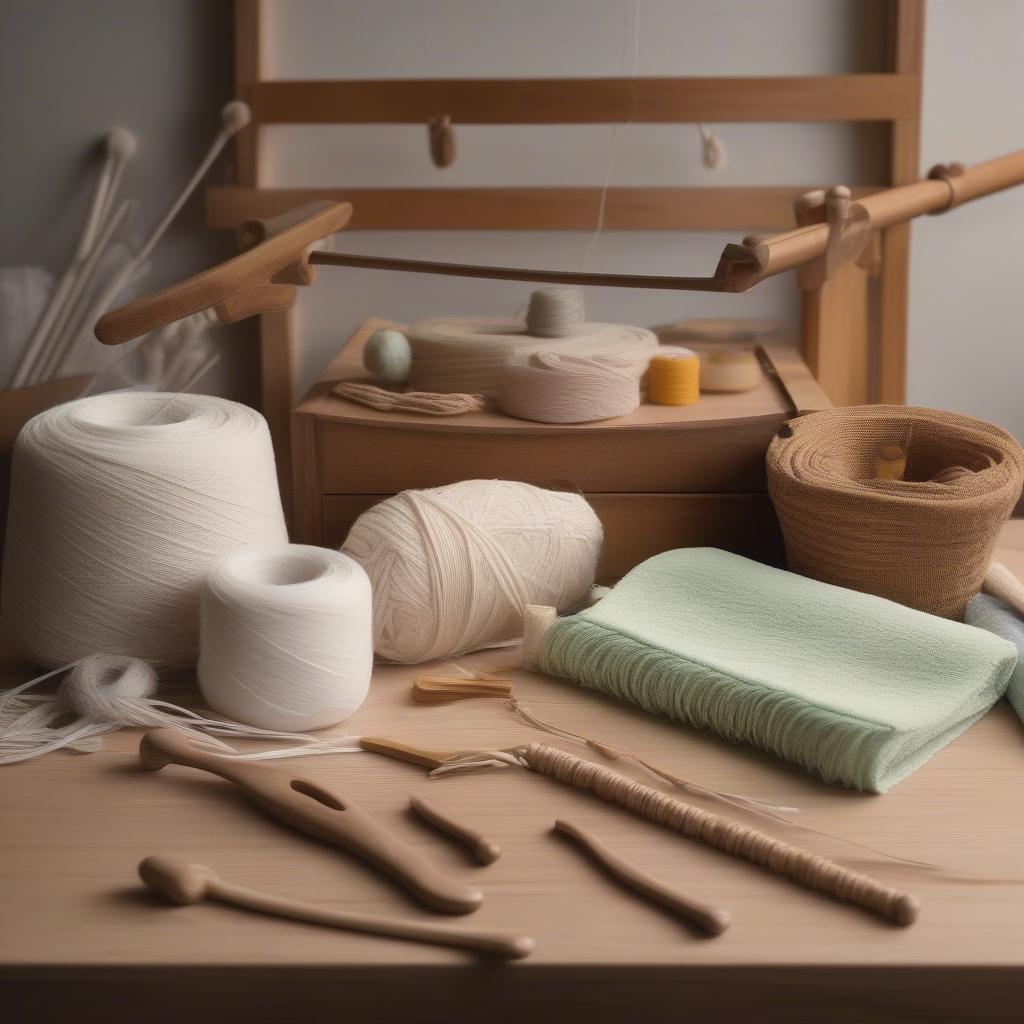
(661, 478)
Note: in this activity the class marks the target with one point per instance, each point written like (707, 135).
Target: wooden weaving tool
(264, 278)
(307, 806)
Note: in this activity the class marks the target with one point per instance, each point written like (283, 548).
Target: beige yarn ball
(454, 567)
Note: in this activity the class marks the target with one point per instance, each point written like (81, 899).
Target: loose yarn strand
(105, 693)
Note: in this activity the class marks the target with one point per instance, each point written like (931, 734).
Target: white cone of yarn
(552, 387)
(454, 567)
(120, 503)
(286, 638)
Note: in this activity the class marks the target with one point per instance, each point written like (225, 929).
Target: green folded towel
(989, 613)
(854, 688)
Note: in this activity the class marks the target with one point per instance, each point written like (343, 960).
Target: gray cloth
(989, 613)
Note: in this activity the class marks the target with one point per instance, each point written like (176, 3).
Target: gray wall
(69, 71)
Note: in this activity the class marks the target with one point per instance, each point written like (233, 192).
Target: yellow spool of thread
(673, 377)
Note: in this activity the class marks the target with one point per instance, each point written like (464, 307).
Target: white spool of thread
(553, 387)
(454, 567)
(120, 503)
(286, 637)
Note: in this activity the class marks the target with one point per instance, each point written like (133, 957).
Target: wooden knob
(442, 141)
(179, 882)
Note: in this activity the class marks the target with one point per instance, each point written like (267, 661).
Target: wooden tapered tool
(485, 850)
(305, 805)
(192, 883)
(711, 919)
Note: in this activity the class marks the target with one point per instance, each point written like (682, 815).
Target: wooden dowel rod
(340, 259)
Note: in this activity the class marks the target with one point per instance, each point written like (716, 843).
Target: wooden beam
(904, 158)
(248, 56)
(526, 209)
(874, 97)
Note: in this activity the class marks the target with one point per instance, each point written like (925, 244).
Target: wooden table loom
(703, 485)
(81, 939)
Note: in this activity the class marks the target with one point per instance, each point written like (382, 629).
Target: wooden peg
(710, 919)
(442, 141)
(485, 850)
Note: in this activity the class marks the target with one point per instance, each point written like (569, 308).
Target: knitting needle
(485, 850)
(193, 883)
(234, 117)
(711, 919)
(119, 148)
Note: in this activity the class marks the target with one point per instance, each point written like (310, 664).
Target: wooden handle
(281, 259)
(309, 807)
(485, 850)
(710, 919)
(778, 253)
(1000, 582)
(191, 883)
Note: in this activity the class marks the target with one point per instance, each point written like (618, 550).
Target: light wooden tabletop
(77, 931)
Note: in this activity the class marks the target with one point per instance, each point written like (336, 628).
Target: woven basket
(924, 541)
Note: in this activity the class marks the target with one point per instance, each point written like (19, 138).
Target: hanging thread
(454, 567)
(673, 377)
(104, 693)
(120, 503)
(285, 637)
(552, 387)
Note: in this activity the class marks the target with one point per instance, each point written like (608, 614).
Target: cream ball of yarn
(388, 357)
(120, 503)
(454, 567)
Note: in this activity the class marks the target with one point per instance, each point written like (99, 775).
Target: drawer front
(636, 526)
(358, 459)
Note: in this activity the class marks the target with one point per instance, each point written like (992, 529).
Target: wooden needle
(192, 883)
(485, 850)
(711, 919)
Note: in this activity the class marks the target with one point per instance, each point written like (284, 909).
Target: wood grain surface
(80, 938)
